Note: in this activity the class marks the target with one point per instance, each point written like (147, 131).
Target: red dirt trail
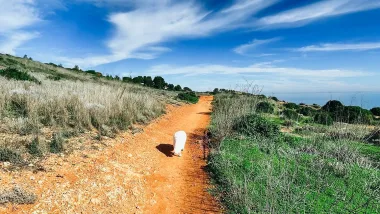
(128, 174)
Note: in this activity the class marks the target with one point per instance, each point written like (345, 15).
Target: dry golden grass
(77, 102)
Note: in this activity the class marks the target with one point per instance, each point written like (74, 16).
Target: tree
(127, 79)
(215, 91)
(138, 80)
(76, 68)
(376, 111)
(117, 78)
(25, 56)
(60, 65)
(159, 82)
(187, 89)
(147, 80)
(178, 88)
(30, 58)
(333, 106)
(171, 87)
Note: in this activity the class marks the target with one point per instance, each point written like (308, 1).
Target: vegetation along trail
(132, 174)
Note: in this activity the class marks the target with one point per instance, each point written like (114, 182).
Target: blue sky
(283, 46)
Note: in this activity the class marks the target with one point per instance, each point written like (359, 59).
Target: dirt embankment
(129, 174)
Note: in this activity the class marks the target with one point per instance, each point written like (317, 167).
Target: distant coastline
(366, 100)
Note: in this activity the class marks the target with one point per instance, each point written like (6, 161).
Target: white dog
(179, 141)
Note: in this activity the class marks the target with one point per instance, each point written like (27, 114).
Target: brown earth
(128, 174)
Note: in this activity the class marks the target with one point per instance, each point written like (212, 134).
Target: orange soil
(131, 174)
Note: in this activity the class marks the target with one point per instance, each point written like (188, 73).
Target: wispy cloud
(14, 16)
(16, 39)
(150, 25)
(245, 48)
(259, 68)
(323, 9)
(340, 47)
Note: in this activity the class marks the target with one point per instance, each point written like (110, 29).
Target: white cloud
(266, 68)
(15, 40)
(146, 26)
(17, 14)
(316, 11)
(14, 16)
(340, 47)
(243, 49)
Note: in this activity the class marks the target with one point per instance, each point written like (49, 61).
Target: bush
(291, 106)
(291, 114)
(7, 155)
(17, 195)
(56, 144)
(316, 105)
(376, 111)
(356, 114)
(188, 96)
(274, 98)
(13, 73)
(306, 111)
(323, 118)
(333, 106)
(34, 148)
(265, 107)
(254, 124)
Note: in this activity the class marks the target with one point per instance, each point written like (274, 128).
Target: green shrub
(306, 111)
(316, 105)
(188, 96)
(13, 73)
(291, 114)
(254, 124)
(261, 96)
(34, 148)
(333, 106)
(265, 107)
(323, 118)
(291, 106)
(18, 106)
(10, 156)
(356, 114)
(274, 98)
(55, 78)
(56, 144)
(376, 111)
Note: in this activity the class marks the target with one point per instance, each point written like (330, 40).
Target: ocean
(366, 100)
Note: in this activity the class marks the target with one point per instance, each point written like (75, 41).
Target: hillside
(43, 106)
(270, 156)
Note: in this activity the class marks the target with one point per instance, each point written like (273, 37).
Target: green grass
(289, 177)
(280, 173)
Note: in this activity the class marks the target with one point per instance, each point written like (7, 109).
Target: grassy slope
(313, 173)
(38, 118)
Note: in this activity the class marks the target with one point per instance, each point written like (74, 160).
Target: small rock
(31, 165)
(32, 178)
(40, 182)
(6, 164)
(130, 155)
(137, 207)
(95, 201)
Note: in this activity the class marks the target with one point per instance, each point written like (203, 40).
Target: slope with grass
(312, 168)
(44, 105)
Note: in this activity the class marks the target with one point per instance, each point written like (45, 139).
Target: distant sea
(366, 100)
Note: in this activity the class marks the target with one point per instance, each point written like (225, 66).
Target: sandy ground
(128, 174)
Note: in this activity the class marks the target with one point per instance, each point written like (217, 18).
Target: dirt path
(132, 175)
